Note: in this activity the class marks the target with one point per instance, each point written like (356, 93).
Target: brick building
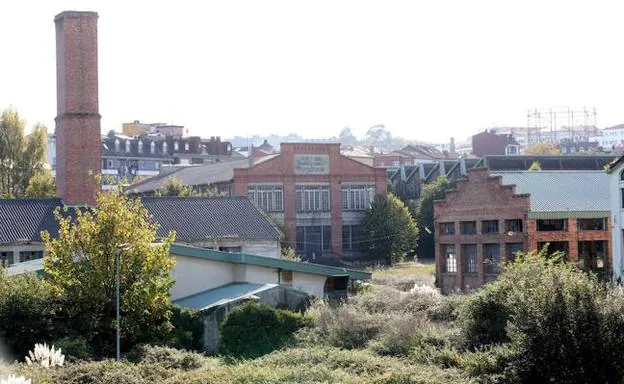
(493, 215)
(78, 117)
(490, 142)
(317, 193)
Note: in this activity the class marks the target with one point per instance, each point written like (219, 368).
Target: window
(591, 224)
(287, 277)
(592, 255)
(489, 226)
(30, 255)
(552, 225)
(448, 251)
(231, 249)
(313, 241)
(511, 250)
(469, 257)
(491, 258)
(357, 197)
(269, 198)
(165, 147)
(554, 246)
(622, 193)
(468, 227)
(622, 175)
(140, 146)
(514, 225)
(117, 149)
(6, 258)
(312, 198)
(153, 147)
(176, 146)
(186, 146)
(128, 145)
(353, 238)
(447, 228)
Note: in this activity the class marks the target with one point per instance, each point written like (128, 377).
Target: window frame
(462, 227)
(449, 256)
(488, 226)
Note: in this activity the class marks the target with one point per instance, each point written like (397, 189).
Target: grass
(405, 275)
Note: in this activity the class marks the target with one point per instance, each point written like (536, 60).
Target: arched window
(153, 147)
(186, 146)
(176, 146)
(140, 146)
(127, 145)
(116, 145)
(164, 147)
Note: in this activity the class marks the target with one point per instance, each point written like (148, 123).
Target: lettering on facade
(311, 164)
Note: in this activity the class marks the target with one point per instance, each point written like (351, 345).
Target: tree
(535, 166)
(173, 187)
(41, 185)
(80, 266)
(379, 135)
(423, 212)
(346, 137)
(546, 148)
(21, 156)
(390, 228)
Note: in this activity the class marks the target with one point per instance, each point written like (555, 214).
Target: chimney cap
(75, 14)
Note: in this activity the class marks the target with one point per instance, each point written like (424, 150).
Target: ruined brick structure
(78, 118)
(479, 199)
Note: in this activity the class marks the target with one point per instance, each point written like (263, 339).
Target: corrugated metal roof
(222, 295)
(199, 218)
(24, 219)
(271, 262)
(561, 191)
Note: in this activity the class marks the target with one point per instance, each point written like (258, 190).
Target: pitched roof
(271, 262)
(199, 218)
(24, 219)
(206, 174)
(559, 194)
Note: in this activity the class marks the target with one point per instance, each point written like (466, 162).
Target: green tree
(41, 185)
(80, 266)
(546, 148)
(423, 212)
(535, 166)
(22, 156)
(390, 228)
(173, 187)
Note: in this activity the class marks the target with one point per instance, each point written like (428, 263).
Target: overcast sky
(427, 70)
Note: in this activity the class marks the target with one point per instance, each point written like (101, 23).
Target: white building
(610, 138)
(616, 186)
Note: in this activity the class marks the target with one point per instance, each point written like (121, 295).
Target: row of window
(516, 225)
(152, 146)
(311, 198)
(487, 226)
(7, 257)
(315, 240)
(491, 257)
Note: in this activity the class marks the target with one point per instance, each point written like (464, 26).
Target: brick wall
(281, 170)
(78, 119)
(478, 197)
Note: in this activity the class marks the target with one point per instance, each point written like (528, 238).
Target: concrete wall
(267, 248)
(194, 275)
(311, 284)
(617, 214)
(17, 248)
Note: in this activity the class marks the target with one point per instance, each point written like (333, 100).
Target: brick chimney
(78, 119)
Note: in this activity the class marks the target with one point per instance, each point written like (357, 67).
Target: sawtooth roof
(24, 219)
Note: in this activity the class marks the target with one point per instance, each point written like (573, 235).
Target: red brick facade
(78, 119)
(478, 198)
(338, 170)
(482, 199)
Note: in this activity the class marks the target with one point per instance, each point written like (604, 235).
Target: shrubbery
(169, 358)
(253, 329)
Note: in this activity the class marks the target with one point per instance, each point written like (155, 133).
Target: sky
(427, 70)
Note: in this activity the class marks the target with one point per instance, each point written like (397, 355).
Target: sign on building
(311, 164)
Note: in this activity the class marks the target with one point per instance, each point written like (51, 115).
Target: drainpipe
(279, 276)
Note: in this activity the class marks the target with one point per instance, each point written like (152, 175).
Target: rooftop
(222, 295)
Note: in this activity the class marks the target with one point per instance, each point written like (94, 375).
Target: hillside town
(143, 253)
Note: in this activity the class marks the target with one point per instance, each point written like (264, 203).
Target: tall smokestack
(78, 118)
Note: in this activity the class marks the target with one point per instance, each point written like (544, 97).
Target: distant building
(137, 128)
(492, 143)
(409, 155)
(611, 138)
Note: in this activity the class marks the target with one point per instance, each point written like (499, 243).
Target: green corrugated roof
(562, 193)
(243, 258)
(222, 295)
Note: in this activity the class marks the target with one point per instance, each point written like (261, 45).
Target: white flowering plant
(45, 356)
(12, 379)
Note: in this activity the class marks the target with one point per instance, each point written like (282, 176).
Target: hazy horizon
(427, 71)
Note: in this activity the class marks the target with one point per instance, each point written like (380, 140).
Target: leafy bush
(253, 329)
(27, 312)
(564, 324)
(169, 358)
(187, 331)
(75, 348)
